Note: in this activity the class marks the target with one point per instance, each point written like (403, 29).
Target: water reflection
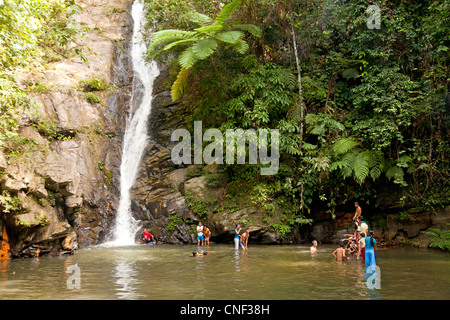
(4, 269)
(262, 272)
(372, 282)
(125, 273)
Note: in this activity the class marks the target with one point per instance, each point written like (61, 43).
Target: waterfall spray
(135, 138)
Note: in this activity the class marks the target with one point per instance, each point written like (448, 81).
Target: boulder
(3, 163)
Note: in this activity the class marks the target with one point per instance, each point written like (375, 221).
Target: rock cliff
(60, 191)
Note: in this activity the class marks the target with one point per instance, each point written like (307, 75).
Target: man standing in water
(200, 236)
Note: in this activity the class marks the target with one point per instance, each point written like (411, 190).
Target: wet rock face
(62, 191)
(165, 195)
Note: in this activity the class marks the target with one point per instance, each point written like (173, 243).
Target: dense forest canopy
(357, 107)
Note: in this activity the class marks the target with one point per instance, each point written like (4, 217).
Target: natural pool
(170, 272)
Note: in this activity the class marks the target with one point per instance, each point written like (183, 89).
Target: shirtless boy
(339, 253)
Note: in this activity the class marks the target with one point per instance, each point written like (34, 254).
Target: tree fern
(231, 37)
(199, 18)
(251, 28)
(187, 58)
(348, 164)
(170, 35)
(178, 86)
(227, 10)
(203, 40)
(394, 172)
(241, 46)
(204, 48)
(344, 145)
(362, 166)
(377, 164)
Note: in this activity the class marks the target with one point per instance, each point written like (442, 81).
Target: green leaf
(394, 172)
(344, 145)
(170, 35)
(204, 48)
(362, 166)
(179, 85)
(227, 10)
(187, 58)
(173, 44)
(231, 37)
(251, 28)
(198, 18)
(241, 46)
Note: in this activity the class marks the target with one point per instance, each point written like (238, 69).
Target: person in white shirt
(200, 236)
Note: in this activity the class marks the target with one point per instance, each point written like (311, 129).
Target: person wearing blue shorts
(200, 236)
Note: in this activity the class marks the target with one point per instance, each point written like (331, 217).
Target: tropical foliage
(203, 41)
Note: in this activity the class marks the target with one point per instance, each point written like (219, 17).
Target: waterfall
(135, 138)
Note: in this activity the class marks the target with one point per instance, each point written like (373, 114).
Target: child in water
(313, 248)
(339, 253)
(196, 254)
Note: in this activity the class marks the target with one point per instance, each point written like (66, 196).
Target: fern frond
(210, 29)
(376, 165)
(251, 28)
(361, 167)
(179, 85)
(175, 43)
(231, 37)
(241, 46)
(227, 10)
(394, 172)
(204, 48)
(344, 145)
(164, 36)
(187, 58)
(288, 79)
(348, 164)
(199, 18)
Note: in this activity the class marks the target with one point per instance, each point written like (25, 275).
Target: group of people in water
(361, 243)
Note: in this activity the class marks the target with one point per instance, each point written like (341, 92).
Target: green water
(262, 272)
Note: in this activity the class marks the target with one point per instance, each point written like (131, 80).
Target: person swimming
(196, 254)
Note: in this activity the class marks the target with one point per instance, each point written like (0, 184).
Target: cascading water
(135, 138)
